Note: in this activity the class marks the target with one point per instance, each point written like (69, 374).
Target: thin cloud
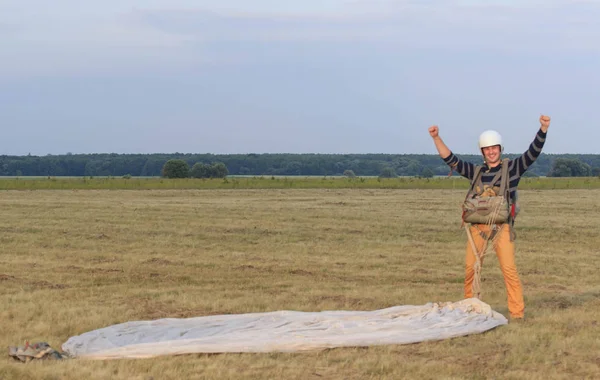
(75, 38)
(433, 24)
(79, 47)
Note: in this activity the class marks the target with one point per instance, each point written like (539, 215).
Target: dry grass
(75, 261)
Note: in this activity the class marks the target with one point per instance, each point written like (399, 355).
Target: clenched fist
(434, 131)
(544, 122)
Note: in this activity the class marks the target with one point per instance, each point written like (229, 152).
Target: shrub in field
(349, 173)
(219, 170)
(176, 169)
(200, 170)
(216, 170)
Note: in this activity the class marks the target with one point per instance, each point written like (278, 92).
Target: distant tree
(176, 169)
(560, 169)
(219, 170)
(244, 170)
(293, 168)
(200, 170)
(150, 165)
(349, 173)
(216, 170)
(427, 173)
(596, 172)
(569, 167)
(388, 172)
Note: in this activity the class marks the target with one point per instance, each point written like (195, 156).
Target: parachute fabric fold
(285, 331)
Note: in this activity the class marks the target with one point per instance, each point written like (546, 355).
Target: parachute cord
(493, 237)
(476, 286)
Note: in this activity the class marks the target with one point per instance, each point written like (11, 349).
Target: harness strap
(503, 173)
(504, 188)
(474, 180)
(496, 178)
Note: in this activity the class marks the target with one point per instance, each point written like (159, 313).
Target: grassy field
(77, 260)
(274, 182)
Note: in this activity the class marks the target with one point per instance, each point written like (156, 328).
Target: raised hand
(434, 131)
(544, 122)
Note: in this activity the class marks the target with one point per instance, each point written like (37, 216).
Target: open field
(278, 182)
(72, 261)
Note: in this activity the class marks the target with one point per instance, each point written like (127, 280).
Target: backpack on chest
(489, 204)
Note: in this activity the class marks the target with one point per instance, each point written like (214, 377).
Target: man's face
(491, 154)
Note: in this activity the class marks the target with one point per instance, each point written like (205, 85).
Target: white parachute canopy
(285, 331)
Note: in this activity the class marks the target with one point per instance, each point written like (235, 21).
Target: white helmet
(490, 138)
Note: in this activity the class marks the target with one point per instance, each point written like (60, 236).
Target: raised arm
(466, 169)
(441, 147)
(524, 161)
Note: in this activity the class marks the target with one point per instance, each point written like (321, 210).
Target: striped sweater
(516, 168)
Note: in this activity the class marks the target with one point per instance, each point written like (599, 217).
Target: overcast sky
(311, 76)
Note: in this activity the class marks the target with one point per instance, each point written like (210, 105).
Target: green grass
(271, 182)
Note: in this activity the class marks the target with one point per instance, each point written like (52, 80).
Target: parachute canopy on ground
(286, 331)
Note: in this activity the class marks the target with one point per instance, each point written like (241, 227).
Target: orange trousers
(505, 251)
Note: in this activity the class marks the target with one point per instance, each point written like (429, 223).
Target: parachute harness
(494, 228)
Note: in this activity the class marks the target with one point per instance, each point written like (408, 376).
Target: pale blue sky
(300, 77)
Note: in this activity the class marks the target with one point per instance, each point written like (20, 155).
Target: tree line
(385, 165)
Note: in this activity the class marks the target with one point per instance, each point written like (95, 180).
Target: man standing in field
(491, 147)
